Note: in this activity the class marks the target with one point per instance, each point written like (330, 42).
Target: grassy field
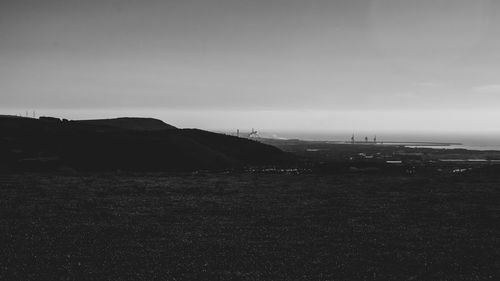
(246, 226)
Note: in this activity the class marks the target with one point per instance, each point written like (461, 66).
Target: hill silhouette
(130, 144)
(129, 123)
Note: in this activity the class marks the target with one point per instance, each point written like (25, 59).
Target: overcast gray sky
(272, 64)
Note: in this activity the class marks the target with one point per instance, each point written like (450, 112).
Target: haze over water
(467, 141)
(321, 126)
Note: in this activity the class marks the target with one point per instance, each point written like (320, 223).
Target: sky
(316, 65)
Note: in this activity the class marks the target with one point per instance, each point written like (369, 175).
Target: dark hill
(122, 144)
(130, 123)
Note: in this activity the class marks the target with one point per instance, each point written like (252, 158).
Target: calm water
(468, 141)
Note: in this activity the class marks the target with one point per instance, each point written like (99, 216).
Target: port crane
(253, 134)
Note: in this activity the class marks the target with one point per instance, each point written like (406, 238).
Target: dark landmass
(249, 226)
(78, 201)
(331, 157)
(129, 123)
(51, 144)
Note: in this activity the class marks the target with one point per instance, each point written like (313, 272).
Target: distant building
(253, 134)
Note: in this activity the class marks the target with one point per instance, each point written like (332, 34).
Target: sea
(470, 141)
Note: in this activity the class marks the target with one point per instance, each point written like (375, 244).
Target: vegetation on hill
(121, 144)
(129, 123)
(247, 226)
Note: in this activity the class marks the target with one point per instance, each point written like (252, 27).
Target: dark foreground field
(248, 227)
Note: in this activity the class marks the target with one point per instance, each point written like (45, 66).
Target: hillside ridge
(121, 144)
